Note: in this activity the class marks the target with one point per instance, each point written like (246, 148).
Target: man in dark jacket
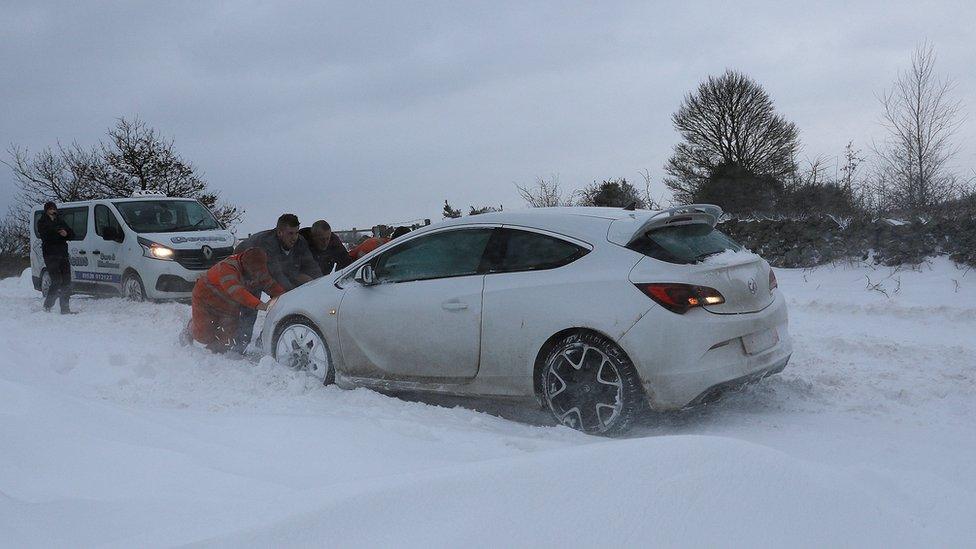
(289, 261)
(326, 247)
(55, 235)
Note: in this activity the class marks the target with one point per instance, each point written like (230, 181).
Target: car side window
(449, 253)
(104, 218)
(531, 251)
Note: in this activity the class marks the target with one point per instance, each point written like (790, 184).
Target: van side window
(76, 218)
(104, 218)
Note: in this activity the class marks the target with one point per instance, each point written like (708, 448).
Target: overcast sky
(362, 113)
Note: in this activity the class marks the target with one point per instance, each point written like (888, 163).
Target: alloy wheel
(583, 388)
(300, 347)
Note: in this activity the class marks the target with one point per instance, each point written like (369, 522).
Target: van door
(79, 247)
(107, 248)
(77, 218)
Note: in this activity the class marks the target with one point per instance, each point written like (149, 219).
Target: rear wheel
(299, 345)
(132, 288)
(589, 384)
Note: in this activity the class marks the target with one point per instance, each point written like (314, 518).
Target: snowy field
(113, 435)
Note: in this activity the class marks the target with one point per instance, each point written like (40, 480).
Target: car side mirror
(365, 275)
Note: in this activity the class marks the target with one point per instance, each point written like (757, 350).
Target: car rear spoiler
(626, 230)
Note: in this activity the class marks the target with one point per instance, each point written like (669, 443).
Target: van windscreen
(166, 216)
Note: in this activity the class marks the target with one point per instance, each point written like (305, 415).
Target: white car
(147, 246)
(598, 313)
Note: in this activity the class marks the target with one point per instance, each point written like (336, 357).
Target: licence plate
(760, 341)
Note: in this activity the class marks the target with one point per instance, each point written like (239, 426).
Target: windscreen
(166, 216)
(683, 243)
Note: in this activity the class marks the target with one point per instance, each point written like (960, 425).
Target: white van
(144, 247)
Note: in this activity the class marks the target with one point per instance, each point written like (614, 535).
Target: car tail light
(772, 281)
(680, 298)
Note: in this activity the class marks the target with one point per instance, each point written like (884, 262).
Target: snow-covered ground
(111, 434)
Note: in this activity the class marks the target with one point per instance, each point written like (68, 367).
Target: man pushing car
(229, 287)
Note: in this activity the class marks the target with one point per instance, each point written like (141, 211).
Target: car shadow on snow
(754, 399)
(525, 411)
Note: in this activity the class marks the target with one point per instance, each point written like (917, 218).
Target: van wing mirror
(365, 275)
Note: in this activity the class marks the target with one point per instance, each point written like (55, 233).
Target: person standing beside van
(55, 235)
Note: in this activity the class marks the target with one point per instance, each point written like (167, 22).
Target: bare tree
(14, 238)
(135, 157)
(138, 157)
(62, 174)
(649, 202)
(852, 161)
(545, 193)
(921, 119)
(729, 125)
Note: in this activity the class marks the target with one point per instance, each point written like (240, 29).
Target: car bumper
(169, 281)
(684, 359)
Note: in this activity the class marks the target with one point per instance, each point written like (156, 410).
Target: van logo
(208, 253)
(182, 239)
(753, 287)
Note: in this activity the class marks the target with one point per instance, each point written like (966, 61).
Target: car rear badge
(753, 287)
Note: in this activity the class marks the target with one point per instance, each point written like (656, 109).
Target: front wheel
(299, 345)
(589, 384)
(132, 287)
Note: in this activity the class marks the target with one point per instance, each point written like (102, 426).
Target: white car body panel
(678, 357)
(439, 320)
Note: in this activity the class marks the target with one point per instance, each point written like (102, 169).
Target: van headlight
(155, 250)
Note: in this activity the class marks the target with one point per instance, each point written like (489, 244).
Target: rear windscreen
(683, 243)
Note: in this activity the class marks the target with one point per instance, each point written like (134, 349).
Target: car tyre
(132, 287)
(298, 344)
(588, 383)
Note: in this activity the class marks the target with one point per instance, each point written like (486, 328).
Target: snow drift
(113, 435)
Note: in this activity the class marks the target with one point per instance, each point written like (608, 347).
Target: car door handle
(453, 306)
(82, 252)
(96, 252)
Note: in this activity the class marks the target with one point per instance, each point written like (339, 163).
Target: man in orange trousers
(218, 297)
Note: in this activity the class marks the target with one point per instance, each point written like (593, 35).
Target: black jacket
(52, 243)
(333, 257)
(284, 266)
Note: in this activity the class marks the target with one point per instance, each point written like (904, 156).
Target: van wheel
(45, 283)
(589, 384)
(132, 288)
(299, 345)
